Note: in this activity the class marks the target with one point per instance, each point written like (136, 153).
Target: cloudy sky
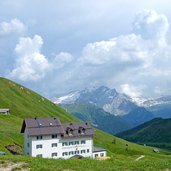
(55, 47)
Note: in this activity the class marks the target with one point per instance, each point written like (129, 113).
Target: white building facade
(48, 138)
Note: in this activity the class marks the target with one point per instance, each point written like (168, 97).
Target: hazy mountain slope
(163, 110)
(160, 107)
(155, 132)
(98, 117)
(138, 116)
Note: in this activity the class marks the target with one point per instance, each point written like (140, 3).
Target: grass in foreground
(116, 163)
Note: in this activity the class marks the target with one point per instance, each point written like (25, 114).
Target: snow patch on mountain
(108, 99)
(139, 101)
(157, 101)
(67, 99)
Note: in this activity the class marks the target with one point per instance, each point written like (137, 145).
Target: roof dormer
(81, 130)
(69, 131)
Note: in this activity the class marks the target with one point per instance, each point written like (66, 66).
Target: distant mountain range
(155, 133)
(108, 99)
(104, 104)
(138, 116)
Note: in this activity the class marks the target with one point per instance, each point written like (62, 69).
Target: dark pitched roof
(98, 149)
(42, 126)
(44, 122)
(49, 126)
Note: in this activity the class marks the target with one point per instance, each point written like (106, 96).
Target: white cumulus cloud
(31, 64)
(131, 91)
(133, 63)
(14, 26)
(127, 49)
(151, 25)
(129, 62)
(62, 59)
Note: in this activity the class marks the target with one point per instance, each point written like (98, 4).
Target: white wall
(99, 153)
(47, 148)
(88, 145)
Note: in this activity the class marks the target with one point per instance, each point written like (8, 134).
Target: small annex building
(48, 138)
(4, 111)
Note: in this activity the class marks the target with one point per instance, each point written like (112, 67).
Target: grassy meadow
(24, 103)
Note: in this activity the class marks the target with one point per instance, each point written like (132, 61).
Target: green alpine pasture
(24, 103)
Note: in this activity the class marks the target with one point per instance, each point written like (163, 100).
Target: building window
(64, 143)
(83, 151)
(28, 145)
(76, 142)
(54, 136)
(71, 152)
(71, 143)
(76, 152)
(88, 150)
(64, 153)
(39, 137)
(54, 144)
(96, 155)
(27, 153)
(39, 146)
(54, 154)
(83, 142)
(39, 155)
(101, 154)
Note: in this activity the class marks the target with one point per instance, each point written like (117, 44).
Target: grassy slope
(155, 132)
(25, 103)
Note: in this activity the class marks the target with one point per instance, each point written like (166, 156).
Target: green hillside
(155, 133)
(98, 117)
(24, 103)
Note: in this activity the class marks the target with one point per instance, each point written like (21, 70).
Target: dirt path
(142, 156)
(10, 166)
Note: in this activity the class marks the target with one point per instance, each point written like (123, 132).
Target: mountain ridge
(155, 132)
(108, 99)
